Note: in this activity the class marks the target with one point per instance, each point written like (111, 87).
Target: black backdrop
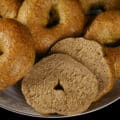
(112, 111)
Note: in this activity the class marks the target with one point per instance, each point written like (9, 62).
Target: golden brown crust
(9, 8)
(104, 4)
(17, 52)
(114, 56)
(35, 14)
(105, 28)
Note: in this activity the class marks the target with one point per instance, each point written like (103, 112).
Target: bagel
(16, 52)
(104, 5)
(51, 20)
(92, 55)
(9, 8)
(114, 56)
(105, 28)
(59, 84)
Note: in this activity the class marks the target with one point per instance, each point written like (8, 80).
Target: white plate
(13, 100)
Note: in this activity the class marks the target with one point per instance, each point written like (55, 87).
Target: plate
(13, 100)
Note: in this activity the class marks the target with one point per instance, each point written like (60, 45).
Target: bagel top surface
(16, 52)
(9, 8)
(59, 84)
(105, 28)
(93, 56)
(51, 20)
(88, 5)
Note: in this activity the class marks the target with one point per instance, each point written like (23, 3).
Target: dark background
(112, 111)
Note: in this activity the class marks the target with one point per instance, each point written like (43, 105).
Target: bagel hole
(53, 18)
(0, 16)
(59, 86)
(95, 10)
(1, 52)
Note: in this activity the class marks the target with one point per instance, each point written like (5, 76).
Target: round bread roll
(9, 8)
(88, 5)
(51, 20)
(59, 84)
(16, 52)
(105, 28)
(93, 56)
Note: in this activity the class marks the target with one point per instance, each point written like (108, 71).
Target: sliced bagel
(92, 55)
(59, 84)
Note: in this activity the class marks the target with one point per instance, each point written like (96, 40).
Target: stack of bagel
(76, 44)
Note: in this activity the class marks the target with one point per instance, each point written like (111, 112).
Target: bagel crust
(39, 14)
(16, 52)
(59, 84)
(114, 56)
(9, 8)
(105, 5)
(105, 28)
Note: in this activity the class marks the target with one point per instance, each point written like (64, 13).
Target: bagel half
(59, 84)
(93, 56)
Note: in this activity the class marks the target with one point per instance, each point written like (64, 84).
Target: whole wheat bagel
(9, 8)
(51, 20)
(16, 52)
(59, 84)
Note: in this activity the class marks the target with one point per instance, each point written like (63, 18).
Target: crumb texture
(92, 55)
(59, 84)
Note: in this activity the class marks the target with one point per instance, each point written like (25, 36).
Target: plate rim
(38, 116)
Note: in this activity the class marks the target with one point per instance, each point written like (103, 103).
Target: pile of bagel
(66, 52)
